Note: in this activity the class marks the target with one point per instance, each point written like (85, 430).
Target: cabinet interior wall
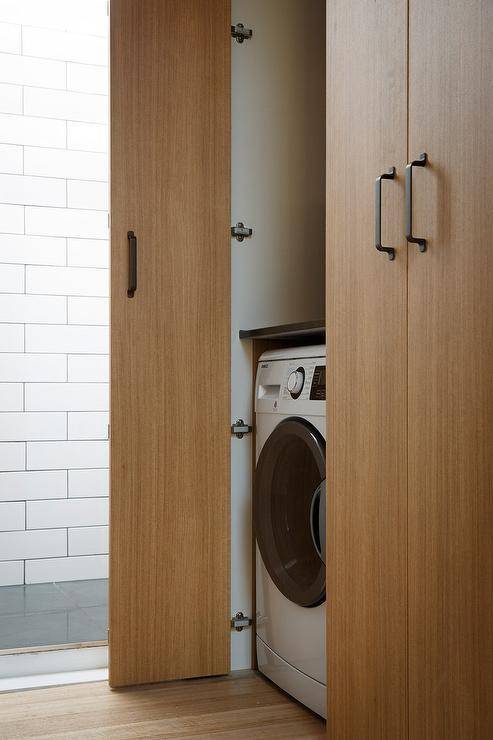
(278, 190)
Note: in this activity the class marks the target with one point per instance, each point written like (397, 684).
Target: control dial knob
(296, 381)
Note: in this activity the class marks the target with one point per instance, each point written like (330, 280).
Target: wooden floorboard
(242, 706)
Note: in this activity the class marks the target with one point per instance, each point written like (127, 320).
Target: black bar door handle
(420, 162)
(132, 264)
(378, 213)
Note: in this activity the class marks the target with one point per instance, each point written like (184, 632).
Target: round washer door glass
(289, 479)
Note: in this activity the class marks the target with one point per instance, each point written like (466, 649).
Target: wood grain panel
(243, 706)
(451, 373)
(366, 366)
(170, 344)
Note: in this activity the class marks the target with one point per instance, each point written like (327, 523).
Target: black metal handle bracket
(132, 264)
(378, 213)
(420, 162)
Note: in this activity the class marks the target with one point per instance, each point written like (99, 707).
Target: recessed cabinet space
(301, 163)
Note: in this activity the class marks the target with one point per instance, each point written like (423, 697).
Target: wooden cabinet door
(366, 366)
(170, 343)
(451, 372)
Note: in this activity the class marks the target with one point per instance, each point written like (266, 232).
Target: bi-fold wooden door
(170, 340)
(410, 367)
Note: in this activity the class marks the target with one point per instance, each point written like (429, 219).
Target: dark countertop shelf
(301, 330)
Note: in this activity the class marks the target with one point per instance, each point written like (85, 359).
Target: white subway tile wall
(54, 288)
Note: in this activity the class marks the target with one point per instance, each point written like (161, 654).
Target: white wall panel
(12, 573)
(71, 47)
(11, 338)
(32, 250)
(88, 541)
(23, 70)
(32, 368)
(87, 78)
(67, 569)
(11, 396)
(12, 456)
(87, 483)
(88, 253)
(10, 98)
(30, 485)
(56, 455)
(11, 279)
(67, 397)
(11, 158)
(65, 163)
(88, 368)
(91, 137)
(89, 311)
(10, 38)
(84, 194)
(88, 425)
(32, 131)
(69, 281)
(11, 219)
(12, 516)
(28, 426)
(65, 222)
(64, 104)
(33, 309)
(67, 513)
(37, 191)
(35, 544)
(69, 339)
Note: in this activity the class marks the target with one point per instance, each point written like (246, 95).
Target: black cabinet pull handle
(132, 264)
(378, 213)
(420, 162)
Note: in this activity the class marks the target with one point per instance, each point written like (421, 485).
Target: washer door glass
(289, 504)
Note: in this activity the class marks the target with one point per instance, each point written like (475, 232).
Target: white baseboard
(53, 668)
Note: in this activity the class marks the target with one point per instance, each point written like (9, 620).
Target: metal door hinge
(240, 33)
(239, 429)
(239, 622)
(240, 231)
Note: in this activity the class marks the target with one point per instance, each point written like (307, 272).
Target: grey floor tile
(42, 614)
(33, 630)
(46, 597)
(81, 628)
(87, 593)
(12, 600)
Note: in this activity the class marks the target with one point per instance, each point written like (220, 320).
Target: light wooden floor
(243, 706)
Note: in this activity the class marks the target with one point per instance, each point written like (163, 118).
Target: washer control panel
(291, 385)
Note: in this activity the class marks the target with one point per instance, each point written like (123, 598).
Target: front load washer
(289, 520)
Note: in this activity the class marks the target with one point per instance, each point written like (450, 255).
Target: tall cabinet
(410, 361)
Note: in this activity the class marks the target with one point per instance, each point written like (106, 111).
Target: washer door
(289, 504)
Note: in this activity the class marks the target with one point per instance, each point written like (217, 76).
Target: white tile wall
(33, 368)
(88, 252)
(67, 281)
(55, 455)
(90, 137)
(11, 279)
(67, 513)
(54, 306)
(10, 38)
(65, 163)
(13, 516)
(12, 219)
(67, 569)
(11, 397)
(73, 47)
(66, 396)
(88, 368)
(88, 425)
(22, 70)
(28, 485)
(38, 191)
(65, 222)
(87, 483)
(88, 79)
(11, 157)
(88, 311)
(32, 250)
(32, 131)
(83, 194)
(11, 337)
(10, 98)
(88, 540)
(69, 339)
(31, 544)
(29, 426)
(12, 573)
(12, 456)
(30, 309)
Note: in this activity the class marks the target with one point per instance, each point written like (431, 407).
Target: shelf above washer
(313, 330)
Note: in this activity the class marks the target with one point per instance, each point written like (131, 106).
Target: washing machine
(289, 521)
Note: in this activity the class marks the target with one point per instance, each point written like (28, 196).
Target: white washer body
(290, 638)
